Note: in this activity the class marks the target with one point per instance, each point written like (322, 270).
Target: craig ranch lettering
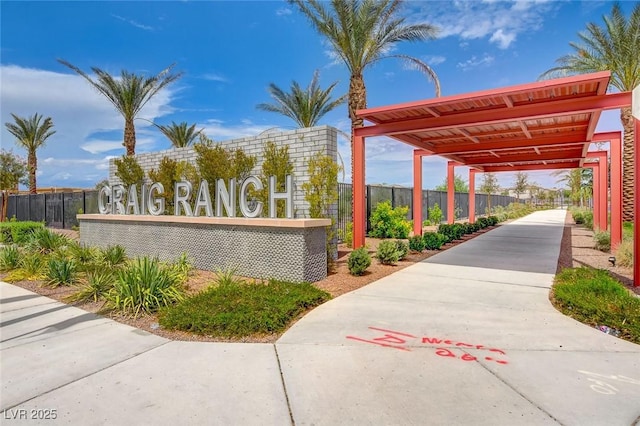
(149, 200)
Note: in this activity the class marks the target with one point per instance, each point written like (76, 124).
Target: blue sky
(230, 51)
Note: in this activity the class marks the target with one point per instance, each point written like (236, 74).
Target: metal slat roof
(547, 124)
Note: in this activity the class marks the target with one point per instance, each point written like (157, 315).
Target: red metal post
(417, 192)
(596, 196)
(604, 211)
(615, 145)
(636, 202)
(472, 195)
(450, 192)
(359, 206)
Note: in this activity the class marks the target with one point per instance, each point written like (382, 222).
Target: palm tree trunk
(357, 100)
(627, 165)
(129, 136)
(32, 162)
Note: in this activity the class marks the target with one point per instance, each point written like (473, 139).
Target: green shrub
(112, 255)
(61, 272)
(358, 262)
(242, 309)
(83, 254)
(469, 228)
(588, 219)
(33, 264)
(435, 214)
(387, 253)
(602, 240)
(144, 285)
(433, 240)
(9, 258)
(624, 253)
(426, 222)
(388, 222)
(578, 218)
(592, 296)
(493, 220)
(97, 286)
(18, 232)
(46, 241)
(483, 222)
(416, 243)
(402, 248)
(348, 236)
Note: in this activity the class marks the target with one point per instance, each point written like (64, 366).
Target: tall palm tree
(362, 32)
(128, 94)
(613, 47)
(181, 135)
(31, 134)
(304, 106)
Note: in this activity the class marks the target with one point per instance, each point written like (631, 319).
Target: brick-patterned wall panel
(303, 144)
(292, 254)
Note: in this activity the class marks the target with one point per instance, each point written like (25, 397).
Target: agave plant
(143, 286)
(61, 272)
(97, 286)
(9, 258)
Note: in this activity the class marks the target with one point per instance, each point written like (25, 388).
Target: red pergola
(543, 125)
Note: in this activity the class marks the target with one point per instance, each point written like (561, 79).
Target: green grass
(593, 297)
(236, 309)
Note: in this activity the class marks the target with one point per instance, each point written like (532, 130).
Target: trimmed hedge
(18, 232)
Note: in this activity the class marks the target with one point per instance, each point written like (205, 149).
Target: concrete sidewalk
(466, 337)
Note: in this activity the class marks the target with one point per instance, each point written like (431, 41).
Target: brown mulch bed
(576, 250)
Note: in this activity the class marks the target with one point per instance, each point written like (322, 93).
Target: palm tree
(180, 135)
(305, 107)
(613, 47)
(31, 134)
(128, 94)
(362, 32)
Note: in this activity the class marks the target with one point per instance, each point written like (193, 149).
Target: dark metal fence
(400, 196)
(57, 210)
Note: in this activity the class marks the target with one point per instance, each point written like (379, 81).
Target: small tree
(459, 184)
(128, 170)
(321, 192)
(489, 186)
(277, 162)
(522, 180)
(167, 174)
(13, 171)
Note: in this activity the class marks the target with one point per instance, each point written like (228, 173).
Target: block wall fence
(303, 144)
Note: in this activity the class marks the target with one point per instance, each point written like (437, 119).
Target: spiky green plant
(46, 241)
(33, 264)
(61, 271)
(143, 286)
(9, 258)
(114, 255)
(97, 286)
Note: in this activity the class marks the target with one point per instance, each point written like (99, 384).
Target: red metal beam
(472, 195)
(615, 146)
(505, 143)
(516, 168)
(529, 158)
(539, 110)
(601, 77)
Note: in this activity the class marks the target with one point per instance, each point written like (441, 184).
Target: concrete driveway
(466, 337)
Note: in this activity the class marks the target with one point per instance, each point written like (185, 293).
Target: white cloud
(284, 11)
(213, 76)
(434, 60)
(475, 62)
(502, 38)
(132, 22)
(216, 130)
(79, 114)
(499, 21)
